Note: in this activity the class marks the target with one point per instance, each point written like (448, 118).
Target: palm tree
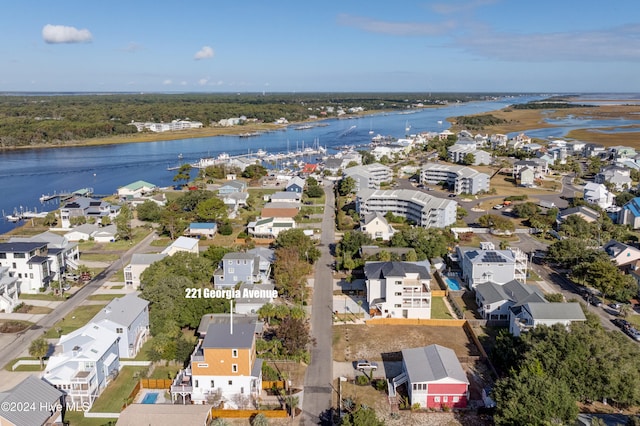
(292, 403)
(39, 348)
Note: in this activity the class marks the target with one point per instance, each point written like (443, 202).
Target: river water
(25, 175)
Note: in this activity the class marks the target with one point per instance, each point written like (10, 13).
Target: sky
(545, 46)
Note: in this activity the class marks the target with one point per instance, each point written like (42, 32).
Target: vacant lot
(384, 342)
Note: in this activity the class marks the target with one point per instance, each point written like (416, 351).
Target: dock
(65, 195)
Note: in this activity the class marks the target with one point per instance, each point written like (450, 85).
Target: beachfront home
(435, 378)
(630, 213)
(136, 189)
(398, 289)
(88, 208)
(223, 366)
(128, 317)
(85, 363)
(29, 263)
(39, 402)
(597, 193)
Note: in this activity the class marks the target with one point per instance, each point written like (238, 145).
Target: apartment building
(29, 263)
(369, 176)
(422, 209)
(459, 179)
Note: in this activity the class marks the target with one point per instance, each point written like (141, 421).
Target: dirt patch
(14, 326)
(376, 342)
(293, 371)
(35, 310)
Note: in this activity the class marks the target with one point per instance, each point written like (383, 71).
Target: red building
(434, 377)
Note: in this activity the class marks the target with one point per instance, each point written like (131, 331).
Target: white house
(485, 265)
(63, 255)
(270, 227)
(139, 263)
(253, 297)
(597, 193)
(376, 226)
(190, 245)
(29, 263)
(620, 253)
(87, 362)
(128, 317)
(205, 229)
(87, 208)
(398, 289)
(529, 315)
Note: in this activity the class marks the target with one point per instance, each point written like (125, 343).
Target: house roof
(139, 184)
(164, 415)
(209, 319)
(381, 270)
(146, 258)
(513, 290)
(433, 363)
(296, 180)
(555, 311)
(220, 336)
(252, 287)
(235, 184)
(32, 390)
(184, 243)
(122, 310)
(87, 228)
(202, 225)
(284, 195)
(20, 247)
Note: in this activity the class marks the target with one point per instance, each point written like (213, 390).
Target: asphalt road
(22, 340)
(319, 375)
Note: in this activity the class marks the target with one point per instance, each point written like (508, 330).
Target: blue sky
(330, 45)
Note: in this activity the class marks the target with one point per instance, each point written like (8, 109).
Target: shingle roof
(381, 270)
(31, 390)
(221, 336)
(556, 311)
(433, 363)
(122, 310)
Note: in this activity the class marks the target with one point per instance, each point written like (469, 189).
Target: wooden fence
(438, 293)
(278, 384)
(156, 383)
(246, 414)
(132, 395)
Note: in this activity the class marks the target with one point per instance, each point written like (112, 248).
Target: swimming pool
(150, 398)
(452, 283)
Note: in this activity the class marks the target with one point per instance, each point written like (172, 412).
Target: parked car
(615, 306)
(452, 195)
(498, 206)
(619, 322)
(595, 301)
(363, 365)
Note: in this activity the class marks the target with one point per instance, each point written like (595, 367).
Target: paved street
(13, 346)
(319, 375)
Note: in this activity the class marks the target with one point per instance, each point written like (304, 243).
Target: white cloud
(183, 83)
(395, 28)
(460, 7)
(167, 82)
(63, 34)
(204, 53)
(615, 44)
(203, 81)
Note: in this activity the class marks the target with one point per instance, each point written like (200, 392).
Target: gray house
(40, 395)
(494, 300)
(485, 265)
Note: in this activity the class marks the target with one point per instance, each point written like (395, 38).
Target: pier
(65, 195)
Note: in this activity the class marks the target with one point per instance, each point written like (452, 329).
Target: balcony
(82, 377)
(182, 382)
(416, 303)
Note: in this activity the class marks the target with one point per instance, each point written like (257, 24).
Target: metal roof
(433, 363)
(30, 390)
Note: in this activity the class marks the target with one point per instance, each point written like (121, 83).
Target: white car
(363, 365)
(498, 206)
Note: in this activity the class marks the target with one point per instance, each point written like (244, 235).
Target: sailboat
(371, 127)
(407, 126)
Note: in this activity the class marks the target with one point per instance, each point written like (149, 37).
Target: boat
(261, 153)
(407, 127)
(249, 134)
(304, 127)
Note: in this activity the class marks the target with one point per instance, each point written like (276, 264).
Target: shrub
(226, 229)
(362, 380)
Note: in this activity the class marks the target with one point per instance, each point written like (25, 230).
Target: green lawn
(76, 319)
(439, 309)
(164, 372)
(23, 367)
(42, 296)
(107, 297)
(116, 393)
(77, 418)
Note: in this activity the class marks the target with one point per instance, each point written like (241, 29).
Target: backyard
(76, 319)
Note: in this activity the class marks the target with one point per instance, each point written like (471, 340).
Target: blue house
(296, 184)
(239, 267)
(232, 186)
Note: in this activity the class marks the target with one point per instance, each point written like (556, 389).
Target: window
(398, 293)
(436, 399)
(119, 330)
(445, 399)
(234, 368)
(3, 255)
(195, 383)
(19, 255)
(456, 399)
(231, 270)
(31, 275)
(234, 353)
(14, 265)
(415, 387)
(30, 266)
(230, 382)
(212, 385)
